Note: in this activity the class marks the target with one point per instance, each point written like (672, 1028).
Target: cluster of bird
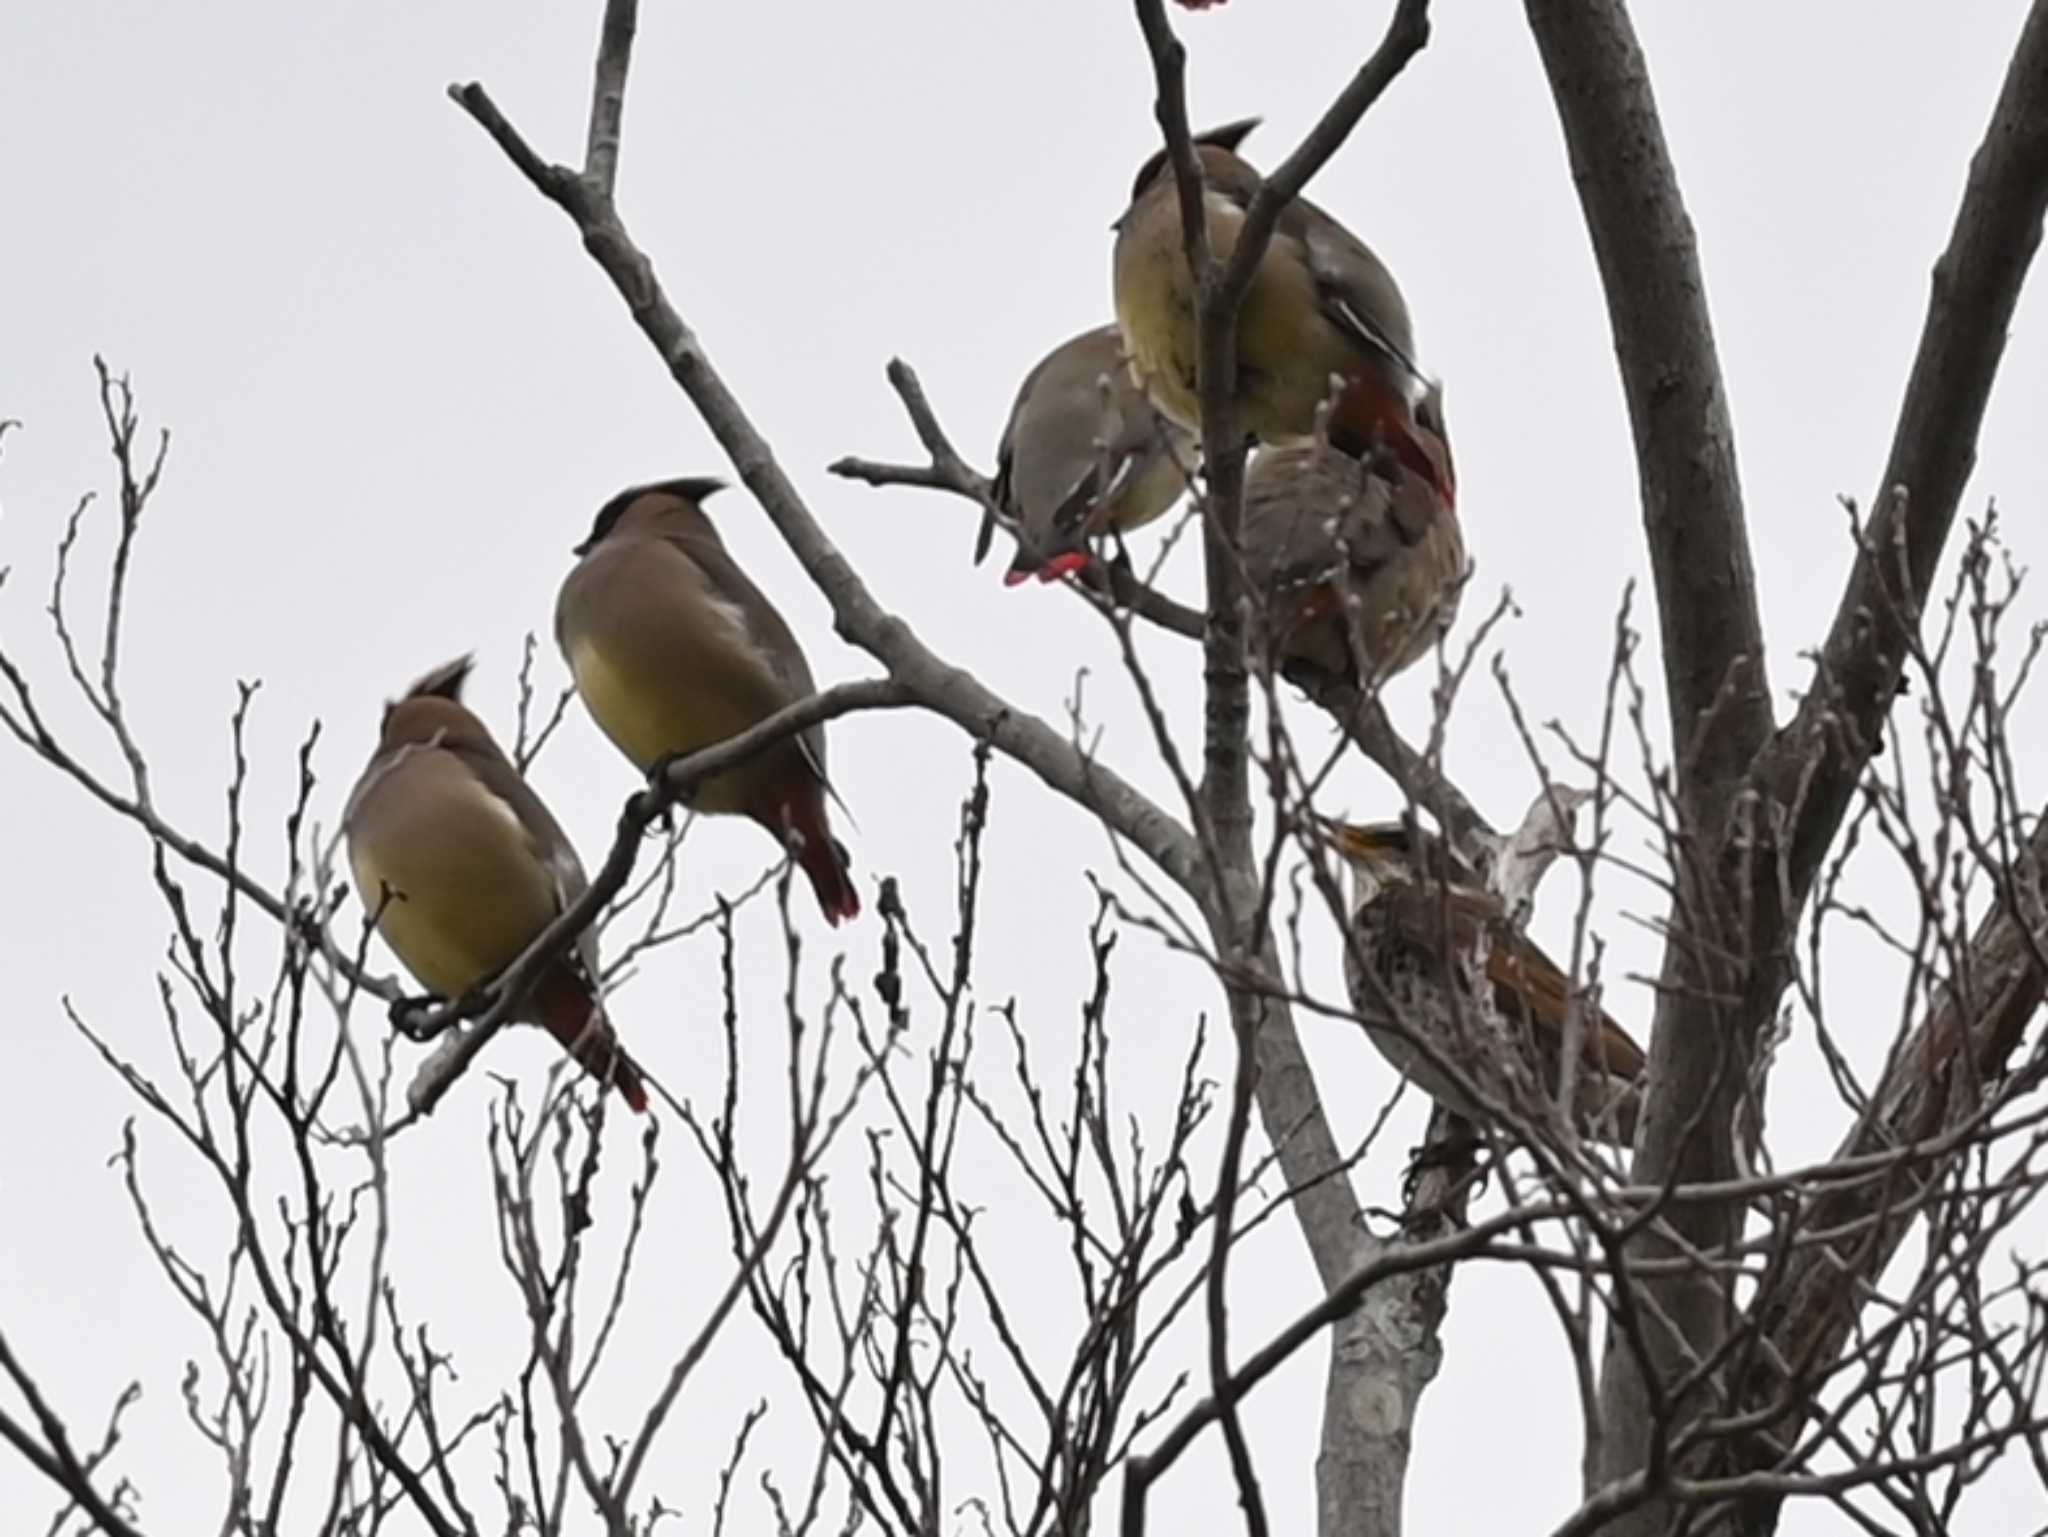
(1353, 561)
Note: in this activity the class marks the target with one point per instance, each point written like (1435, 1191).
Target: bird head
(1383, 853)
(431, 706)
(1378, 852)
(638, 505)
(1215, 148)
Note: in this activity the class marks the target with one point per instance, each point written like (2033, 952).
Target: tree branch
(54, 1458)
(1671, 374)
(1813, 765)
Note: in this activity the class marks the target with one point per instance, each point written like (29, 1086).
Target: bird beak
(1341, 836)
(580, 549)
(1359, 841)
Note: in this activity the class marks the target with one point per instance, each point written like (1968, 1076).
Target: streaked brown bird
(1084, 453)
(1355, 566)
(673, 649)
(464, 867)
(1411, 914)
(1320, 306)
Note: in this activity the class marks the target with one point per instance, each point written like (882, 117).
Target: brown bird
(1320, 306)
(1355, 566)
(674, 649)
(463, 868)
(1084, 452)
(1411, 913)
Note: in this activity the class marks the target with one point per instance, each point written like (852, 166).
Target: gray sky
(399, 389)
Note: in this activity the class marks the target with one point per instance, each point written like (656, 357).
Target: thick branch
(1271, 1071)
(1363, 719)
(1671, 374)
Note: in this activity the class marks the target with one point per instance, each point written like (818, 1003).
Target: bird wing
(549, 845)
(1313, 514)
(1000, 492)
(764, 634)
(469, 885)
(1528, 986)
(1355, 291)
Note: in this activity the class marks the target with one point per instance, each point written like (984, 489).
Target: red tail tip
(1016, 576)
(1073, 563)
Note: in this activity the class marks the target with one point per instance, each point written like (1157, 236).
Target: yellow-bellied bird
(1355, 566)
(1084, 453)
(1411, 916)
(1320, 305)
(464, 867)
(674, 649)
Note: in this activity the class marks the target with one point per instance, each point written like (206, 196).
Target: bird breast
(1408, 979)
(467, 891)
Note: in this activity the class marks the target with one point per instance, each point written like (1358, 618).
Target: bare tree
(1740, 1332)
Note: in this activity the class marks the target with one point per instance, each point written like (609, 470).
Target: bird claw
(665, 818)
(413, 1018)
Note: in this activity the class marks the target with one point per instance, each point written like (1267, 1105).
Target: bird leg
(1440, 1168)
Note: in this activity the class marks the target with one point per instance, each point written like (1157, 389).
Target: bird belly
(460, 908)
(650, 716)
(1408, 1060)
(1156, 314)
(1418, 1005)
(1286, 353)
(1147, 496)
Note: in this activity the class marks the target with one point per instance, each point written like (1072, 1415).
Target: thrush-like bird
(1418, 919)
(1084, 453)
(1354, 566)
(673, 649)
(1320, 306)
(463, 868)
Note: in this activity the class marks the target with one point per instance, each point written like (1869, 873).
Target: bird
(1083, 453)
(462, 867)
(1353, 566)
(1419, 916)
(1321, 307)
(673, 649)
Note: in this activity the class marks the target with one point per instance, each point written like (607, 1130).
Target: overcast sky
(399, 390)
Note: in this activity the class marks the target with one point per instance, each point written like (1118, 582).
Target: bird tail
(1369, 414)
(565, 1006)
(823, 857)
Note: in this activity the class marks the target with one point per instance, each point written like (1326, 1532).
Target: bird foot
(414, 1019)
(657, 777)
(1456, 1154)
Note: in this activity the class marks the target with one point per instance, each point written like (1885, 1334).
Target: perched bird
(463, 868)
(1414, 910)
(1355, 566)
(1320, 306)
(1084, 452)
(674, 649)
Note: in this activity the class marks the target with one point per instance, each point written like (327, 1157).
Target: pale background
(399, 389)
